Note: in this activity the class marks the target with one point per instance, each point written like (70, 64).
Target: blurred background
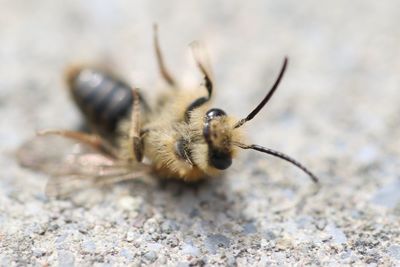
(336, 111)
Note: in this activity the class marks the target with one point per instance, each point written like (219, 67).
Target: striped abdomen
(103, 99)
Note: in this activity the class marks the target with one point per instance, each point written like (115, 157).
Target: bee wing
(63, 185)
(73, 165)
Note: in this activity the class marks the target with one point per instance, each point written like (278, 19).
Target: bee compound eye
(210, 115)
(214, 112)
(220, 161)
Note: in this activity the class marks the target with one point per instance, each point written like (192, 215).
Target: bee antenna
(281, 156)
(266, 98)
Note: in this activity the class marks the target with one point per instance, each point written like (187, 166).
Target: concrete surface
(337, 111)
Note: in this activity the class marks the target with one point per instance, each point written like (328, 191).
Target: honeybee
(181, 136)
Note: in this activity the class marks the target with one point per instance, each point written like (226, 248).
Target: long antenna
(281, 156)
(266, 98)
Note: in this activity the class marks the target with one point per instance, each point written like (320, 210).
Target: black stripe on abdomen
(103, 99)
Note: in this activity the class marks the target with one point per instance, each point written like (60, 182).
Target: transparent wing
(73, 165)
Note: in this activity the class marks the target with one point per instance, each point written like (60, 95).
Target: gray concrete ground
(337, 111)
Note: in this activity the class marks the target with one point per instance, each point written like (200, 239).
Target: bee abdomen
(103, 99)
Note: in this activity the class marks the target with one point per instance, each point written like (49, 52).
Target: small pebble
(150, 256)
(38, 252)
(65, 258)
(367, 154)
(284, 243)
(304, 222)
(213, 242)
(130, 236)
(88, 246)
(190, 250)
(127, 254)
(172, 241)
(53, 227)
(162, 260)
(169, 226)
(249, 228)
(154, 246)
(269, 235)
(336, 233)
(151, 226)
(388, 196)
(130, 203)
(36, 228)
(394, 251)
(231, 261)
(345, 254)
(60, 239)
(182, 264)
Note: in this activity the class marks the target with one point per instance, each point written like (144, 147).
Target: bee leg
(200, 55)
(92, 140)
(208, 82)
(160, 60)
(134, 133)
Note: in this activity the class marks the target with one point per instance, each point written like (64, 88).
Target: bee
(181, 136)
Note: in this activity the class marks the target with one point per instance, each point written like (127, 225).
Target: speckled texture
(337, 111)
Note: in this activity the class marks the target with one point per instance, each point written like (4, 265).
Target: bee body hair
(176, 148)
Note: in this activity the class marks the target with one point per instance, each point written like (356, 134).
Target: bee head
(218, 134)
